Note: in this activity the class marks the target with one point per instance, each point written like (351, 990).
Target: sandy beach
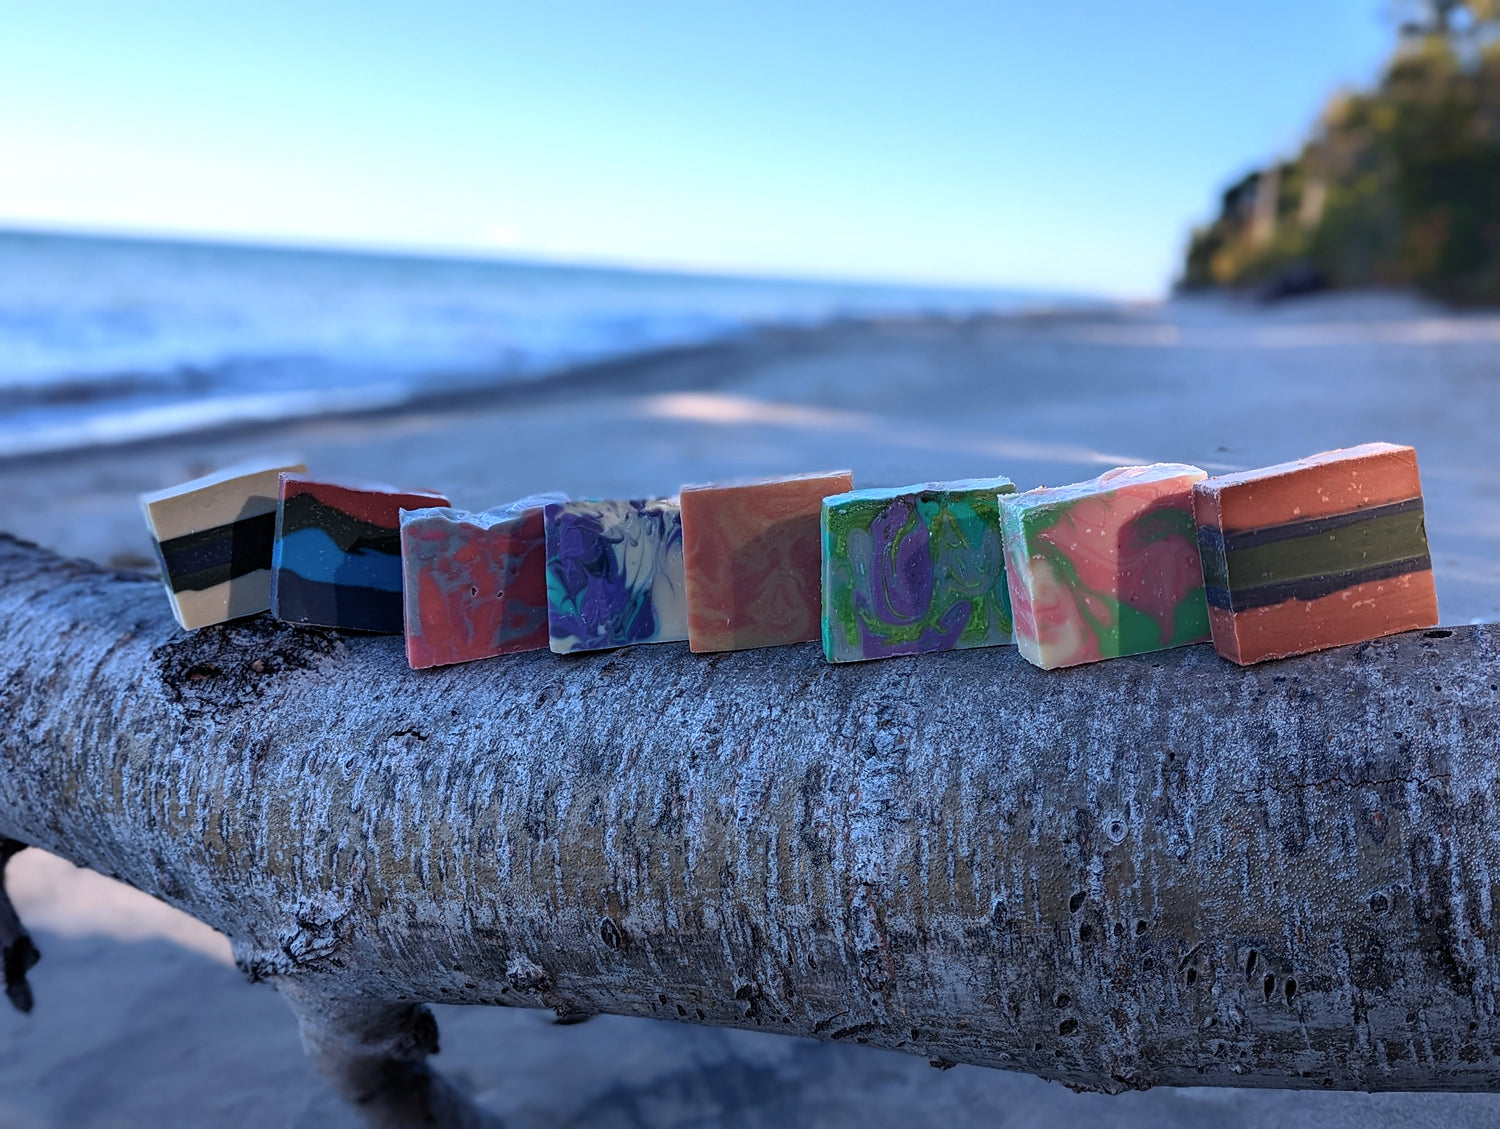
(141, 1018)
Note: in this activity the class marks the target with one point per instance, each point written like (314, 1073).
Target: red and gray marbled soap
(474, 585)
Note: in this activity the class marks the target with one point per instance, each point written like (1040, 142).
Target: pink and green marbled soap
(1107, 567)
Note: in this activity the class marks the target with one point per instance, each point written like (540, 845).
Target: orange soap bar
(753, 557)
(1321, 552)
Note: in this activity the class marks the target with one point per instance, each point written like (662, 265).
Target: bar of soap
(614, 574)
(915, 569)
(475, 585)
(1321, 552)
(213, 537)
(337, 555)
(1106, 567)
(751, 554)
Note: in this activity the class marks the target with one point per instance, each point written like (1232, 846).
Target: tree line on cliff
(1399, 185)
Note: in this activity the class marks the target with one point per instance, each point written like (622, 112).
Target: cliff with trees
(1398, 186)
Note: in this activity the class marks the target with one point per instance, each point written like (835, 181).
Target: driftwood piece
(1159, 870)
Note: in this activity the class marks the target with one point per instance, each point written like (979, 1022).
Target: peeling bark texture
(1155, 870)
(17, 953)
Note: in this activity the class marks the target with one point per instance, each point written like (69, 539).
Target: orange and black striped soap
(1321, 552)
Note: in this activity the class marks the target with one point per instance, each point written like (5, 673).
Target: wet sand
(140, 1018)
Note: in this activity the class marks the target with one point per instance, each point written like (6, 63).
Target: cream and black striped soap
(213, 537)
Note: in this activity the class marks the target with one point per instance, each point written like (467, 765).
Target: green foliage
(1400, 185)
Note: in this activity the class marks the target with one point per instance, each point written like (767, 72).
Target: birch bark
(1163, 870)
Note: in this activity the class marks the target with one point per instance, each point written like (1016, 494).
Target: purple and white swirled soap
(614, 574)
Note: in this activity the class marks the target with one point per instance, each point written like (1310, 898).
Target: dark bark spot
(1379, 903)
(1269, 986)
(1368, 968)
(1291, 989)
(855, 1031)
(1140, 928)
(231, 665)
(941, 1063)
(1437, 634)
(611, 933)
(1083, 819)
(1067, 1026)
(1085, 932)
(1192, 977)
(1076, 901)
(1063, 999)
(1431, 865)
(1377, 825)
(749, 994)
(1250, 962)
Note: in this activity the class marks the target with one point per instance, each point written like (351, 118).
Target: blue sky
(1066, 146)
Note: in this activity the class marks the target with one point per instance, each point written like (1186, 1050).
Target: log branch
(374, 1053)
(1158, 870)
(17, 953)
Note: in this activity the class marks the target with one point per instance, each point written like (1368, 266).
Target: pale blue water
(114, 340)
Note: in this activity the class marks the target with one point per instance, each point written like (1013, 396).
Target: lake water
(110, 340)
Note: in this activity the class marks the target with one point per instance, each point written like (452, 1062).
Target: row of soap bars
(1322, 552)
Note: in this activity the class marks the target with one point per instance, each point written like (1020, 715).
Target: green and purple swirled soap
(914, 569)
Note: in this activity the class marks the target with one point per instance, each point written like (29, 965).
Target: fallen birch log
(1156, 871)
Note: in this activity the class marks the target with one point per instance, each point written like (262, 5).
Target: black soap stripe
(1211, 552)
(303, 511)
(196, 561)
(296, 600)
(1312, 588)
(1211, 537)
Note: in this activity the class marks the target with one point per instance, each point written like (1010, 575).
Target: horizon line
(297, 244)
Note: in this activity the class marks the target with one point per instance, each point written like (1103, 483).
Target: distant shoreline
(643, 370)
(108, 341)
